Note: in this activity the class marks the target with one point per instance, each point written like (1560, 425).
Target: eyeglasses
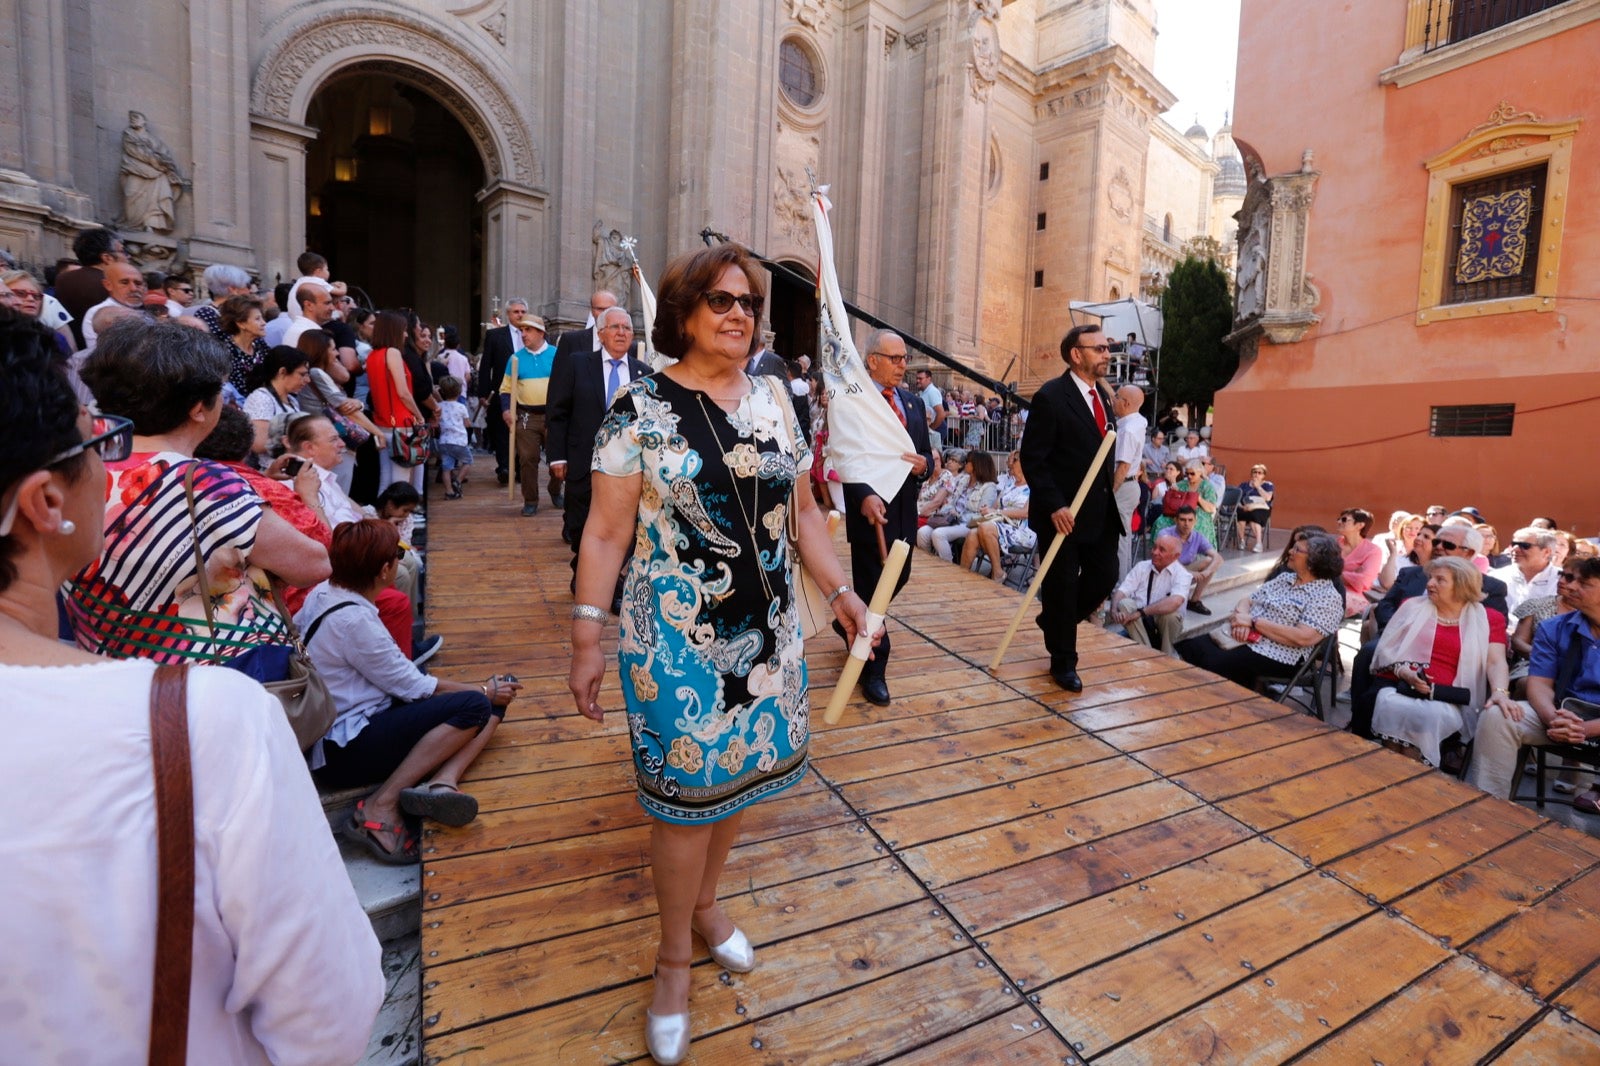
(1568, 575)
(1447, 545)
(109, 435)
(182, 288)
(1523, 544)
(27, 294)
(1299, 549)
(1101, 348)
(722, 302)
(900, 359)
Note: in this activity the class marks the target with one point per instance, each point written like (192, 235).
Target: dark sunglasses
(1449, 545)
(1568, 575)
(722, 302)
(1523, 544)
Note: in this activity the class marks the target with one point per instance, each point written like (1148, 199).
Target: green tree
(1198, 312)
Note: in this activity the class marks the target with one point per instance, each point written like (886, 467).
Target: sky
(1197, 43)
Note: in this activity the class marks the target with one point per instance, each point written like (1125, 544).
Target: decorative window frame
(803, 116)
(1416, 65)
(1510, 140)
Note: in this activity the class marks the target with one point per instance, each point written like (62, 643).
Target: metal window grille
(1472, 420)
(1450, 21)
(1531, 179)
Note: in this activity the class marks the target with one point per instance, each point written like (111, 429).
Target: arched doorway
(391, 184)
(794, 314)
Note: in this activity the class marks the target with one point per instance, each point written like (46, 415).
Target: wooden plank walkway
(1163, 869)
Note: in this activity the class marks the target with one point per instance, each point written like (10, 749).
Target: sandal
(1588, 803)
(443, 803)
(360, 830)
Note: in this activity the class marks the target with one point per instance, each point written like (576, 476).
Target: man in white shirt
(179, 291)
(1532, 571)
(933, 400)
(1131, 426)
(1149, 602)
(1191, 448)
(316, 310)
(126, 288)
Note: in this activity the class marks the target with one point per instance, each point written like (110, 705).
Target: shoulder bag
(174, 780)
(353, 435)
(304, 695)
(810, 602)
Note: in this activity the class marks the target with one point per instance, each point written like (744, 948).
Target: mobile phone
(294, 466)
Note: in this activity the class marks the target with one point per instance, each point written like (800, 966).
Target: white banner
(865, 437)
(652, 358)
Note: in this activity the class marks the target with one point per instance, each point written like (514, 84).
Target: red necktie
(1099, 411)
(888, 394)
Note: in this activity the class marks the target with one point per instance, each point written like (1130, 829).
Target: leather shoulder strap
(174, 961)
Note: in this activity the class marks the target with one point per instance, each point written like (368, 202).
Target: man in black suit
(498, 344)
(581, 390)
(1454, 539)
(766, 361)
(1068, 419)
(575, 343)
(865, 509)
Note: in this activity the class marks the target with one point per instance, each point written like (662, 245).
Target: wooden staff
(883, 545)
(1106, 444)
(511, 485)
(863, 643)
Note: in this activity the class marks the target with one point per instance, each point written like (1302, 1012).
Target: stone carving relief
(1273, 293)
(1503, 115)
(151, 181)
(1119, 194)
(808, 13)
(495, 26)
(482, 101)
(791, 207)
(612, 261)
(983, 64)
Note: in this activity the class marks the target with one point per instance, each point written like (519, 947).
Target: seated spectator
(1363, 559)
(1532, 571)
(1435, 514)
(982, 493)
(1196, 492)
(31, 300)
(1156, 454)
(1278, 625)
(1444, 658)
(1255, 508)
(1216, 475)
(243, 328)
(1191, 450)
(397, 505)
(1563, 704)
(323, 395)
(294, 498)
(1299, 535)
(285, 966)
(1004, 527)
(273, 395)
(934, 491)
(1198, 556)
(221, 281)
(396, 724)
(1171, 474)
(1457, 540)
(1149, 602)
(1491, 547)
(1562, 548)
(1525, 621)
(144, 595)
(1397, 544)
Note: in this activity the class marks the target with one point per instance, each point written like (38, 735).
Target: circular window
(797, 73)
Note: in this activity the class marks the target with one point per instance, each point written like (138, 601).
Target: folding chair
(1322, 665)
(1020, 568)
(1228, 519)
(1583, 754)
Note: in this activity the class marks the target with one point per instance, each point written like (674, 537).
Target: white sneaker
(1257, 548)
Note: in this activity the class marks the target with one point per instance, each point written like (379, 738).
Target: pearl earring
(68, 527)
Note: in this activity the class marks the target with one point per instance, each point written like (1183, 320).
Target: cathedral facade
(986, 160)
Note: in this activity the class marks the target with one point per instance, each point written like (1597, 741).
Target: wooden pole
(879, 606)
(1106, 444)
(511, 485)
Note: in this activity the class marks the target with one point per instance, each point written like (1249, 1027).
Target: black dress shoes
(875, 690)
(1067, 679)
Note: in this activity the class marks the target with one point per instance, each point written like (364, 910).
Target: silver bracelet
(836, 593)
(583, 612)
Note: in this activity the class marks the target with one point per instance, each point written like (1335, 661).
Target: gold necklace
(755, 492)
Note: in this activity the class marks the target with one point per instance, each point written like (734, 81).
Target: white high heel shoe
(666, 1036)
(734, 953)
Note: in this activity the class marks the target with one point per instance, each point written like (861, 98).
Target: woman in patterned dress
(694, 470)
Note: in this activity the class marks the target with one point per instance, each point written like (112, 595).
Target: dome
(1197, 130)
(1230, 177)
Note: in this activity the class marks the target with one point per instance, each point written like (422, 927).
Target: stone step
(390, 895)
(397, 1034)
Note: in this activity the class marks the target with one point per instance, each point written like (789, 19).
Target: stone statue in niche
(151, 181)
(611, 261)
(1252, 278)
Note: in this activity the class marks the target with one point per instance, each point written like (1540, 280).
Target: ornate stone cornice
(413, 49)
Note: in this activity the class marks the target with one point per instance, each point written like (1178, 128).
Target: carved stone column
(1274, 296)
(278, 194)
(514, 234)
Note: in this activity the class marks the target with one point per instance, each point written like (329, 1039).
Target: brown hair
(685, 281)
(233, 312)
(360, 551)
(317, 346)
(389, 330)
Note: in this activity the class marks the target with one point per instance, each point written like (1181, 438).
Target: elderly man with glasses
(1532, 571)
(1455, 538)
(1563, 704)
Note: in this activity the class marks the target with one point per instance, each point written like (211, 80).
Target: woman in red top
(392, 402)
(1446, 654)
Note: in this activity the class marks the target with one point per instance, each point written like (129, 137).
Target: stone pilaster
(278, 193)
(218, 206)
(514, 236)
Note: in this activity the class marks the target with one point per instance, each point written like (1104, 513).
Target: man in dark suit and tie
(574, 344)
(865, 510)
(766, 361)
(1068, 419)
(498, 344)
(581, 390)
